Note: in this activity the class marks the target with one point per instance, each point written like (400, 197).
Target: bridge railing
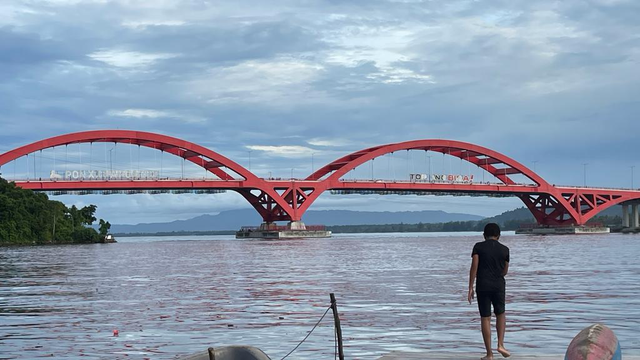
(433, 182)
(418, 192)
(49, 180)
(594, 187)
(133, 192)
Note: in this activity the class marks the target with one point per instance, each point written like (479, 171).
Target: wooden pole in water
(336, 318)
(212, 354)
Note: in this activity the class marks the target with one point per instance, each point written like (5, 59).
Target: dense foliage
(606, 220)
(509, 220)
(421, 227)
(29, 218)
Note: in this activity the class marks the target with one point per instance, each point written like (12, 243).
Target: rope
(305, 338)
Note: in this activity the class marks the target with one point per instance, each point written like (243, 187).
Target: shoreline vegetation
(30, 218)
(452, 226)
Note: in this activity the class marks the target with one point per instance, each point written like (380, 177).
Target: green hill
(508, 220)
(512, 219)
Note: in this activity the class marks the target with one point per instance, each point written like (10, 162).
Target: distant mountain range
(234, 219)
(521, 214)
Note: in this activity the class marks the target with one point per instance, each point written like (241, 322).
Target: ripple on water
(396, 292)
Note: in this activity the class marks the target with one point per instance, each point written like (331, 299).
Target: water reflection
(395, 292)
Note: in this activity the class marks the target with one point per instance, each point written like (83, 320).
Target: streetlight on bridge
(585, 173)
(633, 167)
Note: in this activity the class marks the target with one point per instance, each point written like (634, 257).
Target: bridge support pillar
(635, 218)
(268, 226)
(625, 215)
(297, 225)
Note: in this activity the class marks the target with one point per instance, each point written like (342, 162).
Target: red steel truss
(213, 162)
(280, 200)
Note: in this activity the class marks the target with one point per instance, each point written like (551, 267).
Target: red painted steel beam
(443, 187)
(212, 164)
(444, 146)
(508, 171)
(131, 185)
(288, 200)
(127, 136)
(489, 161)
(335, 170)
(157, 141)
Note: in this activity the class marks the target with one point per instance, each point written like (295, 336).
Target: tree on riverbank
(104, 227)
(29, 218)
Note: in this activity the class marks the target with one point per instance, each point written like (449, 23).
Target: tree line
(452, 226)
(30, 218)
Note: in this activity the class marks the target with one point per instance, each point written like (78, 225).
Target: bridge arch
(484, 158)
(266, 201)
(199, 155)
(548, 205)
(278, 200)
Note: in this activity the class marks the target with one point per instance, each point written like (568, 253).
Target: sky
(271, 84)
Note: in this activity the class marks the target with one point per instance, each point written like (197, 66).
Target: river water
(174, 296)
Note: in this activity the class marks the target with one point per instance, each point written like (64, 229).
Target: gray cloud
(27, 49)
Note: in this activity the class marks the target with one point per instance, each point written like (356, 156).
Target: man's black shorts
(486, 298)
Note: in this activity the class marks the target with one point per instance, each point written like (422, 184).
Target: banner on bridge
(441, 178)
(105, 175)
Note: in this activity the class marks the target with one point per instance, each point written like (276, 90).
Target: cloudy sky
(549, 83)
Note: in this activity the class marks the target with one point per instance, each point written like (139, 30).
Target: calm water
(395, 292)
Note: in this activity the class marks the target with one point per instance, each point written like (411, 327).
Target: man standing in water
(489, 265)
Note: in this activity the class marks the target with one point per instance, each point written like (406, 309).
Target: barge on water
(534, 229)
(293, 230)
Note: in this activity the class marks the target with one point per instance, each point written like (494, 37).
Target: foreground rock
(596, 342)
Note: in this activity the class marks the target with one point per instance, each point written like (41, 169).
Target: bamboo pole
(336, 317)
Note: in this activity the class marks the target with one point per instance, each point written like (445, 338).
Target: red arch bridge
(287, 200)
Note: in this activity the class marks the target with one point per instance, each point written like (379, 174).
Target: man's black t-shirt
(492, 257)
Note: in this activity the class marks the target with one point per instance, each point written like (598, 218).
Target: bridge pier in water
(293, 230)
(630, 219)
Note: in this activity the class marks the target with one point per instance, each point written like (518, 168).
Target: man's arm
(506, 263)
(472, 276)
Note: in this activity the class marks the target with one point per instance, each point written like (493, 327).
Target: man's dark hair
(491, 230)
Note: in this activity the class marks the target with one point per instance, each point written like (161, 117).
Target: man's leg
(484, 306)
(486, 336)
(501, 322)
